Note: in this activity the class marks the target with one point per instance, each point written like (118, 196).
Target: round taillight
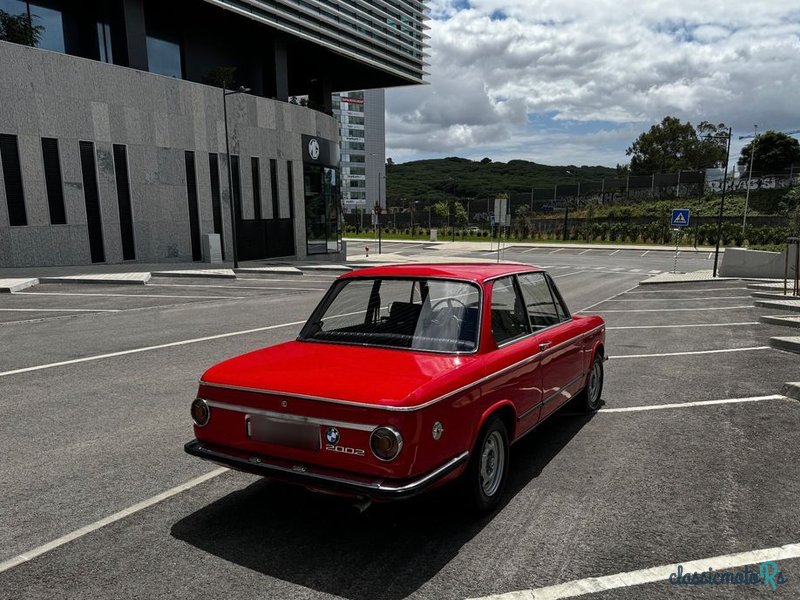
(386, 442)
(200, 412)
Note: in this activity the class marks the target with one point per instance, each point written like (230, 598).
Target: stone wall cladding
(48, 94)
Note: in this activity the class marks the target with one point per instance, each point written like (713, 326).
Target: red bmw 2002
(405, 377)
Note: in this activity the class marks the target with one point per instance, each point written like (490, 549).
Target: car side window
(538, 301)
(561, 306)
(508, 311)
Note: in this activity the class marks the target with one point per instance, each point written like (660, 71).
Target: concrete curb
(9, 286)
(788, 305)
(693, 277)
(791, 390)
(104, 279)
(779, 320)
(772, 295)
(211, 273)
(270, 270)
(340, 268)
(790, 344)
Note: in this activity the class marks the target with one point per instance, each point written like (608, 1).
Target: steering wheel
(451, 304)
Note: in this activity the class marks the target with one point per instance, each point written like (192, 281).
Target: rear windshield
(438, 315)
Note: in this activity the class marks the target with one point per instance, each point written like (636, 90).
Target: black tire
(591, 397)
(485, 478)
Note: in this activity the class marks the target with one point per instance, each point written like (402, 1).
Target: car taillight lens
(386, 442)
(200, 412)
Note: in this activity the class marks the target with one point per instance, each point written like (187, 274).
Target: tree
(19, 29)
(223, 76)
(672, 146)
(775, 151)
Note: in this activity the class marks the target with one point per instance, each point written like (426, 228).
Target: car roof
(471, 271)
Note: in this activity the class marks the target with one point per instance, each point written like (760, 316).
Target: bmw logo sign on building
(332, 436)
(313, 149)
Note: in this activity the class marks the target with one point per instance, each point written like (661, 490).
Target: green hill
(432, 180)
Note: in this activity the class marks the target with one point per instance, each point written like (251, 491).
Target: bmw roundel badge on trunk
(332, 436)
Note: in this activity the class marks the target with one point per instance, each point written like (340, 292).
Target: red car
(405, 377)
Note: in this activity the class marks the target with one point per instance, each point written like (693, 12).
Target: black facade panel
(194, 216)
(53, 181)
(9, 154)
(216, 202)
(273, 180)
(236, 178)
(124, 202)
(91, 197)
(256, 168)
(290, 176)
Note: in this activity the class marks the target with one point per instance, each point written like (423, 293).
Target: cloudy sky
(575, 81)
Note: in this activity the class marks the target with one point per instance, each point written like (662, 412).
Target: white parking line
(78, 533)
(124, 295)
(614, 252)
(645, 253)
(607, 299)
(584, 252)
(691, 404)
(654, 272)
(147, 348)
(237, 287)
(669, 291)
(659, 574)
(556, 250)
(687, 353)
(683, 299)
(676, 309)
(685, 326)
(60, 310)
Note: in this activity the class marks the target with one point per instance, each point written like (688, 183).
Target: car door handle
(545, 345)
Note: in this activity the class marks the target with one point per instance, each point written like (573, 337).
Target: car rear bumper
(323, 479)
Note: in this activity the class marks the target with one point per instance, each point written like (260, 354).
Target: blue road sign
(680, 217)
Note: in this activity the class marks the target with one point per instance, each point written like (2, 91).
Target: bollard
(366, 248)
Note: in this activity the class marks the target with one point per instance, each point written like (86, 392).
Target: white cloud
(589, 65)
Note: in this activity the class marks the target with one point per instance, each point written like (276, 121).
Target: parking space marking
(676, 309)
(622, 293)
(685, 326)
(691, 404)
(235, 287)
(124, 295)
(147, 348)
(683, 299)
(614, 252)
(659, 574)
(78, 533)
(556, 250)
(670, 291)
(646, 252)
(687, 353)
(584, 252)
(113, 310)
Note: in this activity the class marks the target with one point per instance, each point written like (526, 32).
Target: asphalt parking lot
(694, 456)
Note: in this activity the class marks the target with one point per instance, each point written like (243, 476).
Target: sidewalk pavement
(490, 245)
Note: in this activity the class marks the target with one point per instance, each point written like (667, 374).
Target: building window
(43, 14)
(256, 169)
(91, 196)
(15, 198)
(124, 202)
(164, 56)
(53, 181)
(322, 204)
(104, 42)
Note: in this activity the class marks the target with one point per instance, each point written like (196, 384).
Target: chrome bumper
(322, 479)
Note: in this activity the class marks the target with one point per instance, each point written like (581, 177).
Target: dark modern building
(113, 137)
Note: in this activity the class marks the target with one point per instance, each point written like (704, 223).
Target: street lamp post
(225, 94)
(724, 189)
(749, 174)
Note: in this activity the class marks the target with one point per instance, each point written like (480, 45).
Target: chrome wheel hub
(492, 463)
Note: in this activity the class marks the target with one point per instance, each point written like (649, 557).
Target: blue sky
(573, 82)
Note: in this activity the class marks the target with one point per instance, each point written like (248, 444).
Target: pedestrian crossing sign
(680, 217)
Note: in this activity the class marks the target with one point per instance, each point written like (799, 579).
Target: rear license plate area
(303, 436)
